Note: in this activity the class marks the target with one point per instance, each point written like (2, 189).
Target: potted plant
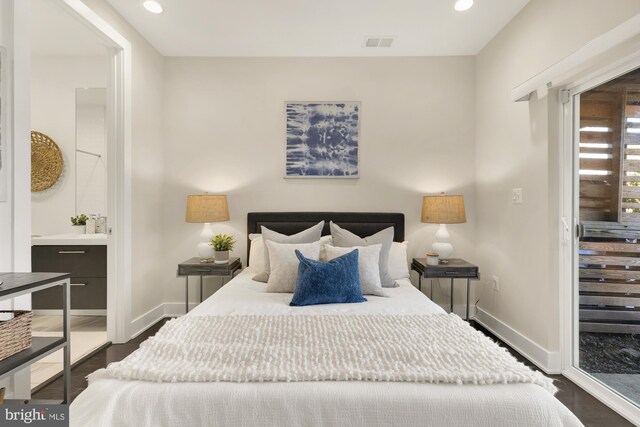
(222, 244)
(79, 223)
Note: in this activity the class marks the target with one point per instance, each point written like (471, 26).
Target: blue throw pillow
(333, 282)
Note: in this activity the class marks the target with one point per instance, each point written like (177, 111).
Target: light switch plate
(516, 197)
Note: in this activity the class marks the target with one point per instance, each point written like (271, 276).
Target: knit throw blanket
(438, 348)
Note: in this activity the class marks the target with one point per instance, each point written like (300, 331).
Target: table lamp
(443, 210)
(206, 208)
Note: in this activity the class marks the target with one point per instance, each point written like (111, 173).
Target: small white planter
(78, 229)
(221, 257)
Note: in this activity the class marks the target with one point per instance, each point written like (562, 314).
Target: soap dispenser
(91, 225)
(101, 224)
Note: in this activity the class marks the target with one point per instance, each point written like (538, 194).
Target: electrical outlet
(495, 281)
(516, 197)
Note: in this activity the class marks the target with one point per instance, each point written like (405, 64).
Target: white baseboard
(74, 312)
(460, 310)
(153, 316)
(144, 322)
(548, 361)
(176, 309)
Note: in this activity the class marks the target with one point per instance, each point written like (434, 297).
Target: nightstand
(455, 269)
(193, 267)
(16, 284)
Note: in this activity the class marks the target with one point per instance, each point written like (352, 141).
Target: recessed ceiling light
(462, 5)
(152, 6)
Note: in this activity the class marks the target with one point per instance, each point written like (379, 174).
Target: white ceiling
(318, 27)
(54, 31)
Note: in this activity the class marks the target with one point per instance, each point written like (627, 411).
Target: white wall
(6, 226)
(54, 80)
(224, 128)
(202, 124)
(148, 157)
(516, 147)
(5, 212)
(15, 253)
(15, 224)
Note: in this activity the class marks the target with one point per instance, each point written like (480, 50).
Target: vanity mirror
(90, 156)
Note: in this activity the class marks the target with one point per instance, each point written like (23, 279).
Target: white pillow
(398, 261)
(284, 263)
(310, 235)
(256, 250)
(324, 240)
(344, 238)
(368, 266)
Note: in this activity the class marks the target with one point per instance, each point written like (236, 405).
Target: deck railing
(610, 277)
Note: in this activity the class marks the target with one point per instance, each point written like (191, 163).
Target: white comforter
(111, 402)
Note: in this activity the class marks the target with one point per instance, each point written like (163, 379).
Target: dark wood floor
(588, 409)
(101, 359)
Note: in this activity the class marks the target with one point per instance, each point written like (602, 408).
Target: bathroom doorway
(70, 78)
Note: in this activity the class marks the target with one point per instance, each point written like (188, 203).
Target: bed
(114, 402)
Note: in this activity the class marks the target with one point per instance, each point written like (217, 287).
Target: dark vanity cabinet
(87, 265)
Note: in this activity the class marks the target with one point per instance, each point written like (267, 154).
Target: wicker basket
(15, 334)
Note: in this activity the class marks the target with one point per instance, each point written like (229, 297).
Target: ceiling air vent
(385, 41)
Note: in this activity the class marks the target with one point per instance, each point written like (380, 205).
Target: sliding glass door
(606, 289)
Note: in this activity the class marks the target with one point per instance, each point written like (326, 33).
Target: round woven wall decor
(46, 162)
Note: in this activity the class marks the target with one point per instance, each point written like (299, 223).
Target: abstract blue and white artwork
(322, 139)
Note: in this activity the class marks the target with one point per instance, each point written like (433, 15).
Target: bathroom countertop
(69, 239)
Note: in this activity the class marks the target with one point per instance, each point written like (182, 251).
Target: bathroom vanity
(84, 256)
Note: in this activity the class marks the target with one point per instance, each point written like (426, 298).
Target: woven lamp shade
(207, 208)
(443, 209)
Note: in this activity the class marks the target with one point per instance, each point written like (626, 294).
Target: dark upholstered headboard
(360, 223)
